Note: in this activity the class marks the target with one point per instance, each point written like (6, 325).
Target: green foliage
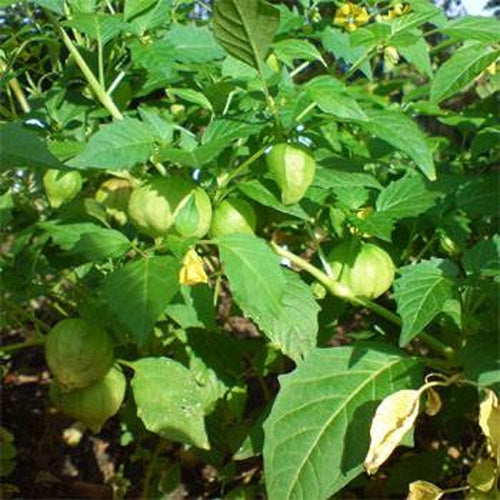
(304, 126)
(321, 417)
(169, 401)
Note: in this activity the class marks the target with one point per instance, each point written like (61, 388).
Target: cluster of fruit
(87, 385)
(161, 205)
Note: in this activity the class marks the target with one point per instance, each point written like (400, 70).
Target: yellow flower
(192, 271)
(398, 11)
(351, 16)
(492, 68)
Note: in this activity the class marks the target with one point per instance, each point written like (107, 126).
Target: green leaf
(102, 27)
(193, 96)
(330, 178)
(199, 156)
(317, 434)
(329, 94)
(193, 44)
(100, 244)
(339, 43)
(293, 331)
(291, 49)
(407, 197)
(157, 58)
(67, 236)
(145, 15)
(478, 195)
(245, 29)
(404, 134)
(169, 401)
(6, 206)
(377, 224)
(215, 362)
(481, 360)
(139, 292)
(227, 130)
(421, 294)
(121, 145)
(480, 28)
(483, 258)
(22, 147)
(254, 274)
(417, 53)
(404, 25)
(461, 69)
(133, 8)
(485, 141)
(261, 192)
(193, 307)
(56, 6)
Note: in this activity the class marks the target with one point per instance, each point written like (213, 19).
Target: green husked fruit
(194, 214)
(152, 205)
(293, 170)
(114, 194)
(233, 216)
(155, 207)
(94, 404)
(78, 353)
(61, 187)
(364, 268)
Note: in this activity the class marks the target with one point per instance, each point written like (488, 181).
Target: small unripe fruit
(233, 216)
(364, 268)
(61, 187)
(293, 170)
(157, 205)
(194, 214)
(115, 194)
(78, 353)
(94, 404)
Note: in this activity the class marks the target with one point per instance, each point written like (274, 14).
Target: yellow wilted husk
(394, 417)
(433, 403)
(489, 420)
(192, 271)
(422, 490)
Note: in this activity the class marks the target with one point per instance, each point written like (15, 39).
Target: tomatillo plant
(257, 243)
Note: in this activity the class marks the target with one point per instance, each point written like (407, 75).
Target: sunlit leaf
(139, 291)
(169, 401)
(317, 434)
(245, 29)
(461, 69)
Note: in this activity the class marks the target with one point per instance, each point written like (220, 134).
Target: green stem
(426, 247)
(100, 63)
(150, 470)
(270, 100)
(22, 313)
(239, 170)
(20, 345)
(16, 89)
(438, 346)
(334, 287)
(126, 363)
(305, 111)
(97, 88)
(339, 290)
